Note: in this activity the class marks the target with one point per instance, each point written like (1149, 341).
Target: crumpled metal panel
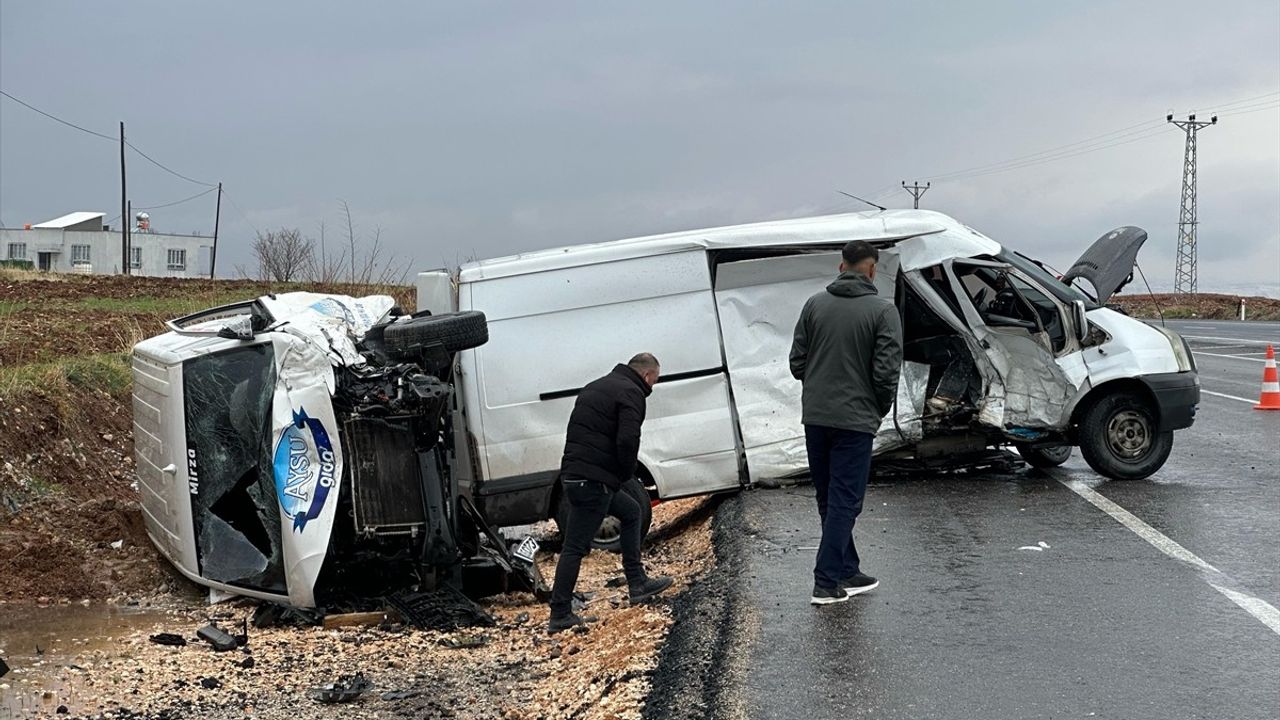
(1028, 383)
(904, 425)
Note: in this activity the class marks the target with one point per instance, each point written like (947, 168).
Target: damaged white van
(297, 447)
(998, 351)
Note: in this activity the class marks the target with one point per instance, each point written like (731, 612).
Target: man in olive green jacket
(847, 352)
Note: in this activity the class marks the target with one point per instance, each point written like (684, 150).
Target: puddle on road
(71, 639)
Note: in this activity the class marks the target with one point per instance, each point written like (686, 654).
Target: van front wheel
(609, 535)
(1120, 439)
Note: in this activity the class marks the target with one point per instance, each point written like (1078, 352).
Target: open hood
(1108, 263)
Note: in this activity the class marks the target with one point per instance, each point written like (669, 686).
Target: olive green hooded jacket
(847, 352)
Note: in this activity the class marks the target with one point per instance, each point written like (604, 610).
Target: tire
(454, 331)
(608, 537)
(1120, 439)
(1044, 457)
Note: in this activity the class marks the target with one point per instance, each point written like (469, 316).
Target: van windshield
(233, 497)
(1048, 280)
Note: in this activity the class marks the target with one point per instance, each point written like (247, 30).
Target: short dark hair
(855, 251)
(643, 361)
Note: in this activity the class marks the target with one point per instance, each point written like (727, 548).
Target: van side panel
(551, 333)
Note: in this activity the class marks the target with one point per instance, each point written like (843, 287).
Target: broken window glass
(233, 501)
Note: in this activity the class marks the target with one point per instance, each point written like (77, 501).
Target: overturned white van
(998, 351)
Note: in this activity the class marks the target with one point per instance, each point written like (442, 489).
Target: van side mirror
(1081, 320)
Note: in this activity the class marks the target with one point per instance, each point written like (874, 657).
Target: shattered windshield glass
(233, 499)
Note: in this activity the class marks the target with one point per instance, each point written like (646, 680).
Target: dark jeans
(839, 461)
(589, 503)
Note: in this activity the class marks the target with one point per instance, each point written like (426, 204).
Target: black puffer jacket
(604, 430)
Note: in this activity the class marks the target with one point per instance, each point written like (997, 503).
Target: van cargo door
(758, 302)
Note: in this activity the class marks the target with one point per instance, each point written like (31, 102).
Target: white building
(81, 243)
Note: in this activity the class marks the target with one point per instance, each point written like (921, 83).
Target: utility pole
(1184, 277)
(916, 191)
(124, 211)
(217, 215)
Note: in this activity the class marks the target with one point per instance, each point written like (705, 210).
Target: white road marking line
(1233, 357)
(1229, 397)
(1233, 341)
(1260, 609)
(1158, 539)
(1216, 347)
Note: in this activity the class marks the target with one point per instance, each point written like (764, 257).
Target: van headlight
(1181, 350)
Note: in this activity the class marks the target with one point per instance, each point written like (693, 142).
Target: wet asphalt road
(1103, 623)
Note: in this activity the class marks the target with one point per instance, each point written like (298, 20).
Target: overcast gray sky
(484, 129)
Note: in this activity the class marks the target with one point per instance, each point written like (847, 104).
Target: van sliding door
(758, 302)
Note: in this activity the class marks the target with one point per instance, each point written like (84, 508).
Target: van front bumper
(1177, 397)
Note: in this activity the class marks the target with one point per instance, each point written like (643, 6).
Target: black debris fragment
(217, 637)
(171, 639)
(210, 683)
(272, 614)
(345, 689)
(242, 638)
(4, 668)
(444, 609)
(616, 582)
(247, 663)
(62, 710)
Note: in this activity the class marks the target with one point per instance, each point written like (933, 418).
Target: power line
(168, 170)
(1272, 106)
(149, 159)
(54, 117)
(241, 212)
(1083, 151)
(1247, 100)
(1055, 153)
(202, 193)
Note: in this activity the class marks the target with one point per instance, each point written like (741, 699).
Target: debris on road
(445, 609)
(345, 689)
(217, 637)
(465, 641)
(170, 639)
(4, 668)
(359, 618)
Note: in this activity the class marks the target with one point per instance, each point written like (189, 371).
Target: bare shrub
(284, 255)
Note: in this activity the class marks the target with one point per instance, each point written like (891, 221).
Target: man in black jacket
(600, 452)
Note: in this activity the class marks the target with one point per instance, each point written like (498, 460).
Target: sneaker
(827, 596)
(557, 624)
(858, 583)
(649, 589)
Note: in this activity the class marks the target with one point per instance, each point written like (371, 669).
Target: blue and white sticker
(304, 466)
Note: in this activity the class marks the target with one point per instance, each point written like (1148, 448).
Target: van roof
(826, 230)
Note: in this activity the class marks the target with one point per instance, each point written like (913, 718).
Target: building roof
(953, 239)
(72, 219)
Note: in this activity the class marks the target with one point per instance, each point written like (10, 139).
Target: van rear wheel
(609, 535)
(1120, 438)
(1044, 457)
